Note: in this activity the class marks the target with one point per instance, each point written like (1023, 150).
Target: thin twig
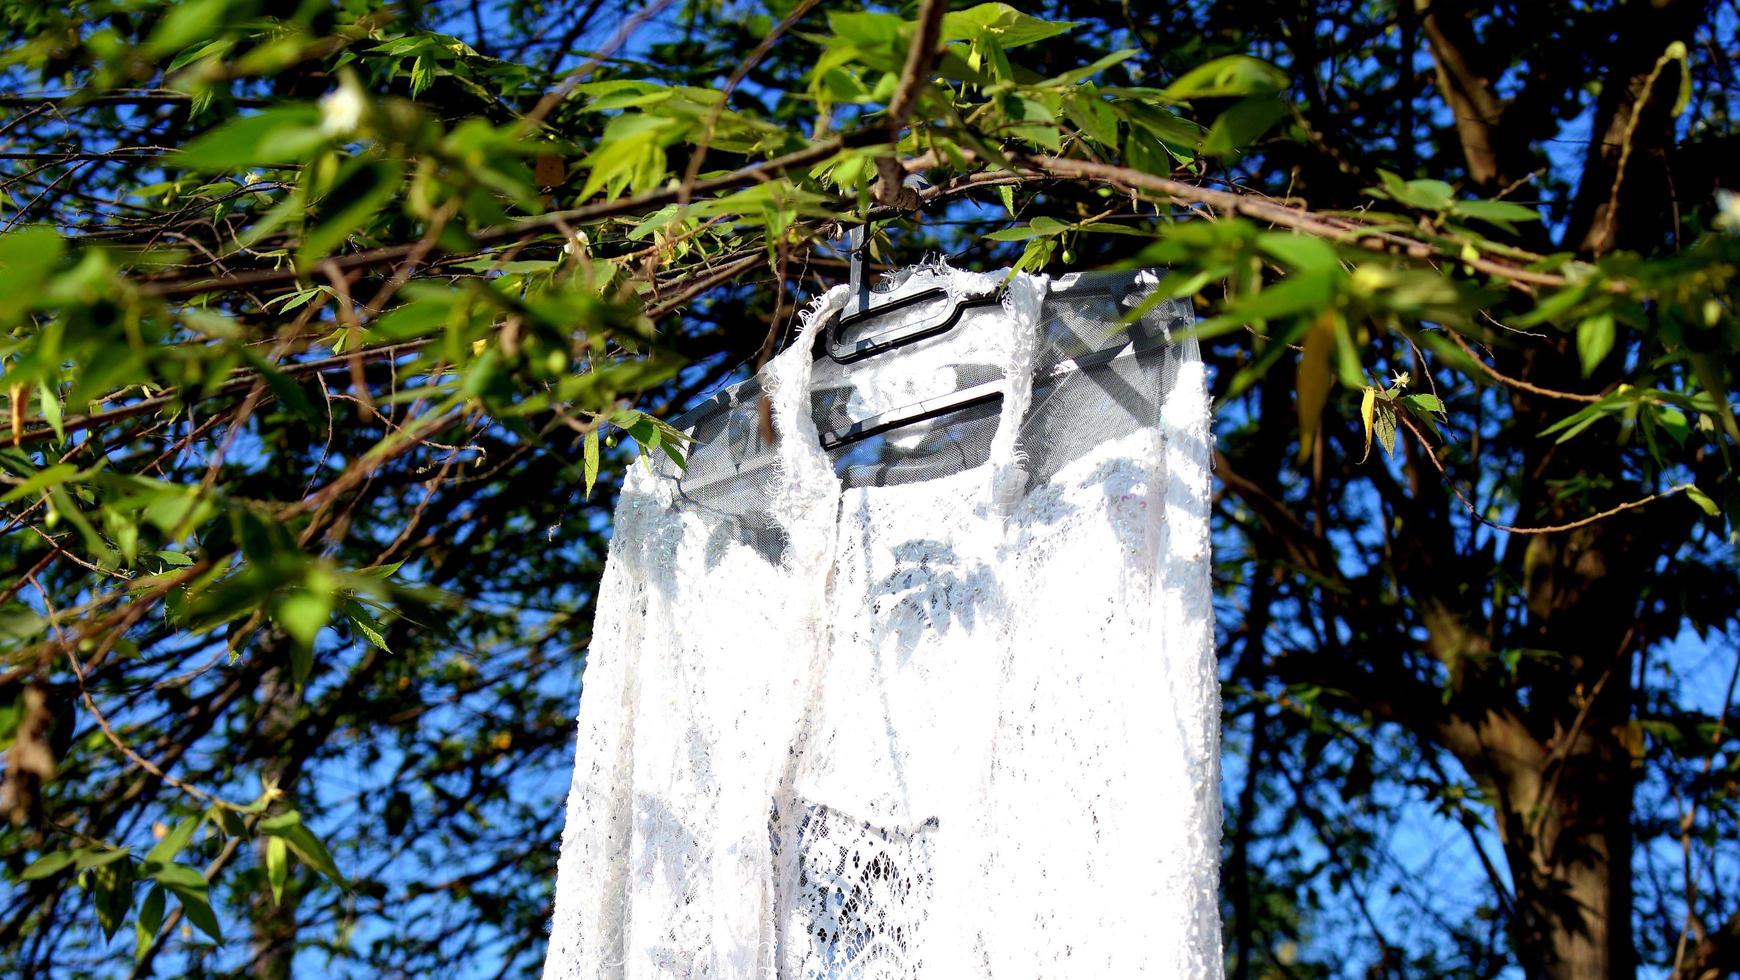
(701, 146)
(1518, 383)
(1513, 529)
(573, 78)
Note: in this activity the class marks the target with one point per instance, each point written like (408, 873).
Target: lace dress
(958, 727)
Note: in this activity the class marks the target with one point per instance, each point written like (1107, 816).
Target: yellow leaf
(1314, 379)
(1366, 405)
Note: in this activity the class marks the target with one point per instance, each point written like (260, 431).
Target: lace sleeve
(591, 886)
(1184, 608)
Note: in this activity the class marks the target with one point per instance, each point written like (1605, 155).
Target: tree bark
(1625, 198)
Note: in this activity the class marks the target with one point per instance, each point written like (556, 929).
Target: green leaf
(40, 480)
(1090, 70)
(1307, 292)
(1347, 364)
(184, 23)
(1232, 75)
(361, 189)
(287, 134)
(1092, 115)
(1241, 125)
(196, 905)
(277, 866)
(1594, 341)
(1038, 227)
(1177, 137)
(365, 624)
(1426, 195)
(111, 886)
(1009, 26)
(46, 865)
(172, 843)
(1703, 501)
(27, 256)
(1303, 253)
(589, 456)
(1385, 423)
(631, 155)
(228, 821)
(1583, 418)
(96, 857)
(302, 842)
(48, 402)
(1500, 213)
(1673, 422)
(177, 876)
(1428, 404)
(303, 613)
(149, 921)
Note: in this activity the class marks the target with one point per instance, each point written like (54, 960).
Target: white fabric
(964, 728)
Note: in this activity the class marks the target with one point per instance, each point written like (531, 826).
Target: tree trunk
(1564, 818)
(1569, 849)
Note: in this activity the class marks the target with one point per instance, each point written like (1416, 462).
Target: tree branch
(1474, 105)
(919, 60)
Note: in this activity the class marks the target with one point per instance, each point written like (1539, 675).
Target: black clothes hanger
(1134, 342)
(859, 311)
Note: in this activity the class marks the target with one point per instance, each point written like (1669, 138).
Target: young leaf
(172, 843)
(361, 189)
(192, 888)
(303, 613)
(112, 888)
(40, 480)
(365, 624)
(1233, 75)
(1594, 341)
(589, 454)
(1703, 501)
(1385, 423)
(149, 921)
(1500, 213)
(96, 857)
(1242, 124)
(1009, 26)
(196, 905)
(287, 134)
(1299, 252)
(277, 866)
(47, 865)
(1428, 404)
(302, 843)
(1367, 406)
(26, 257)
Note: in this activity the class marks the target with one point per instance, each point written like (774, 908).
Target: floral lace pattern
(964, 727)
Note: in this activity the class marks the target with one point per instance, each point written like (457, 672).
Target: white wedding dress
(957, 727)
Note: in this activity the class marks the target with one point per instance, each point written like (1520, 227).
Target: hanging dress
(888, 726)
